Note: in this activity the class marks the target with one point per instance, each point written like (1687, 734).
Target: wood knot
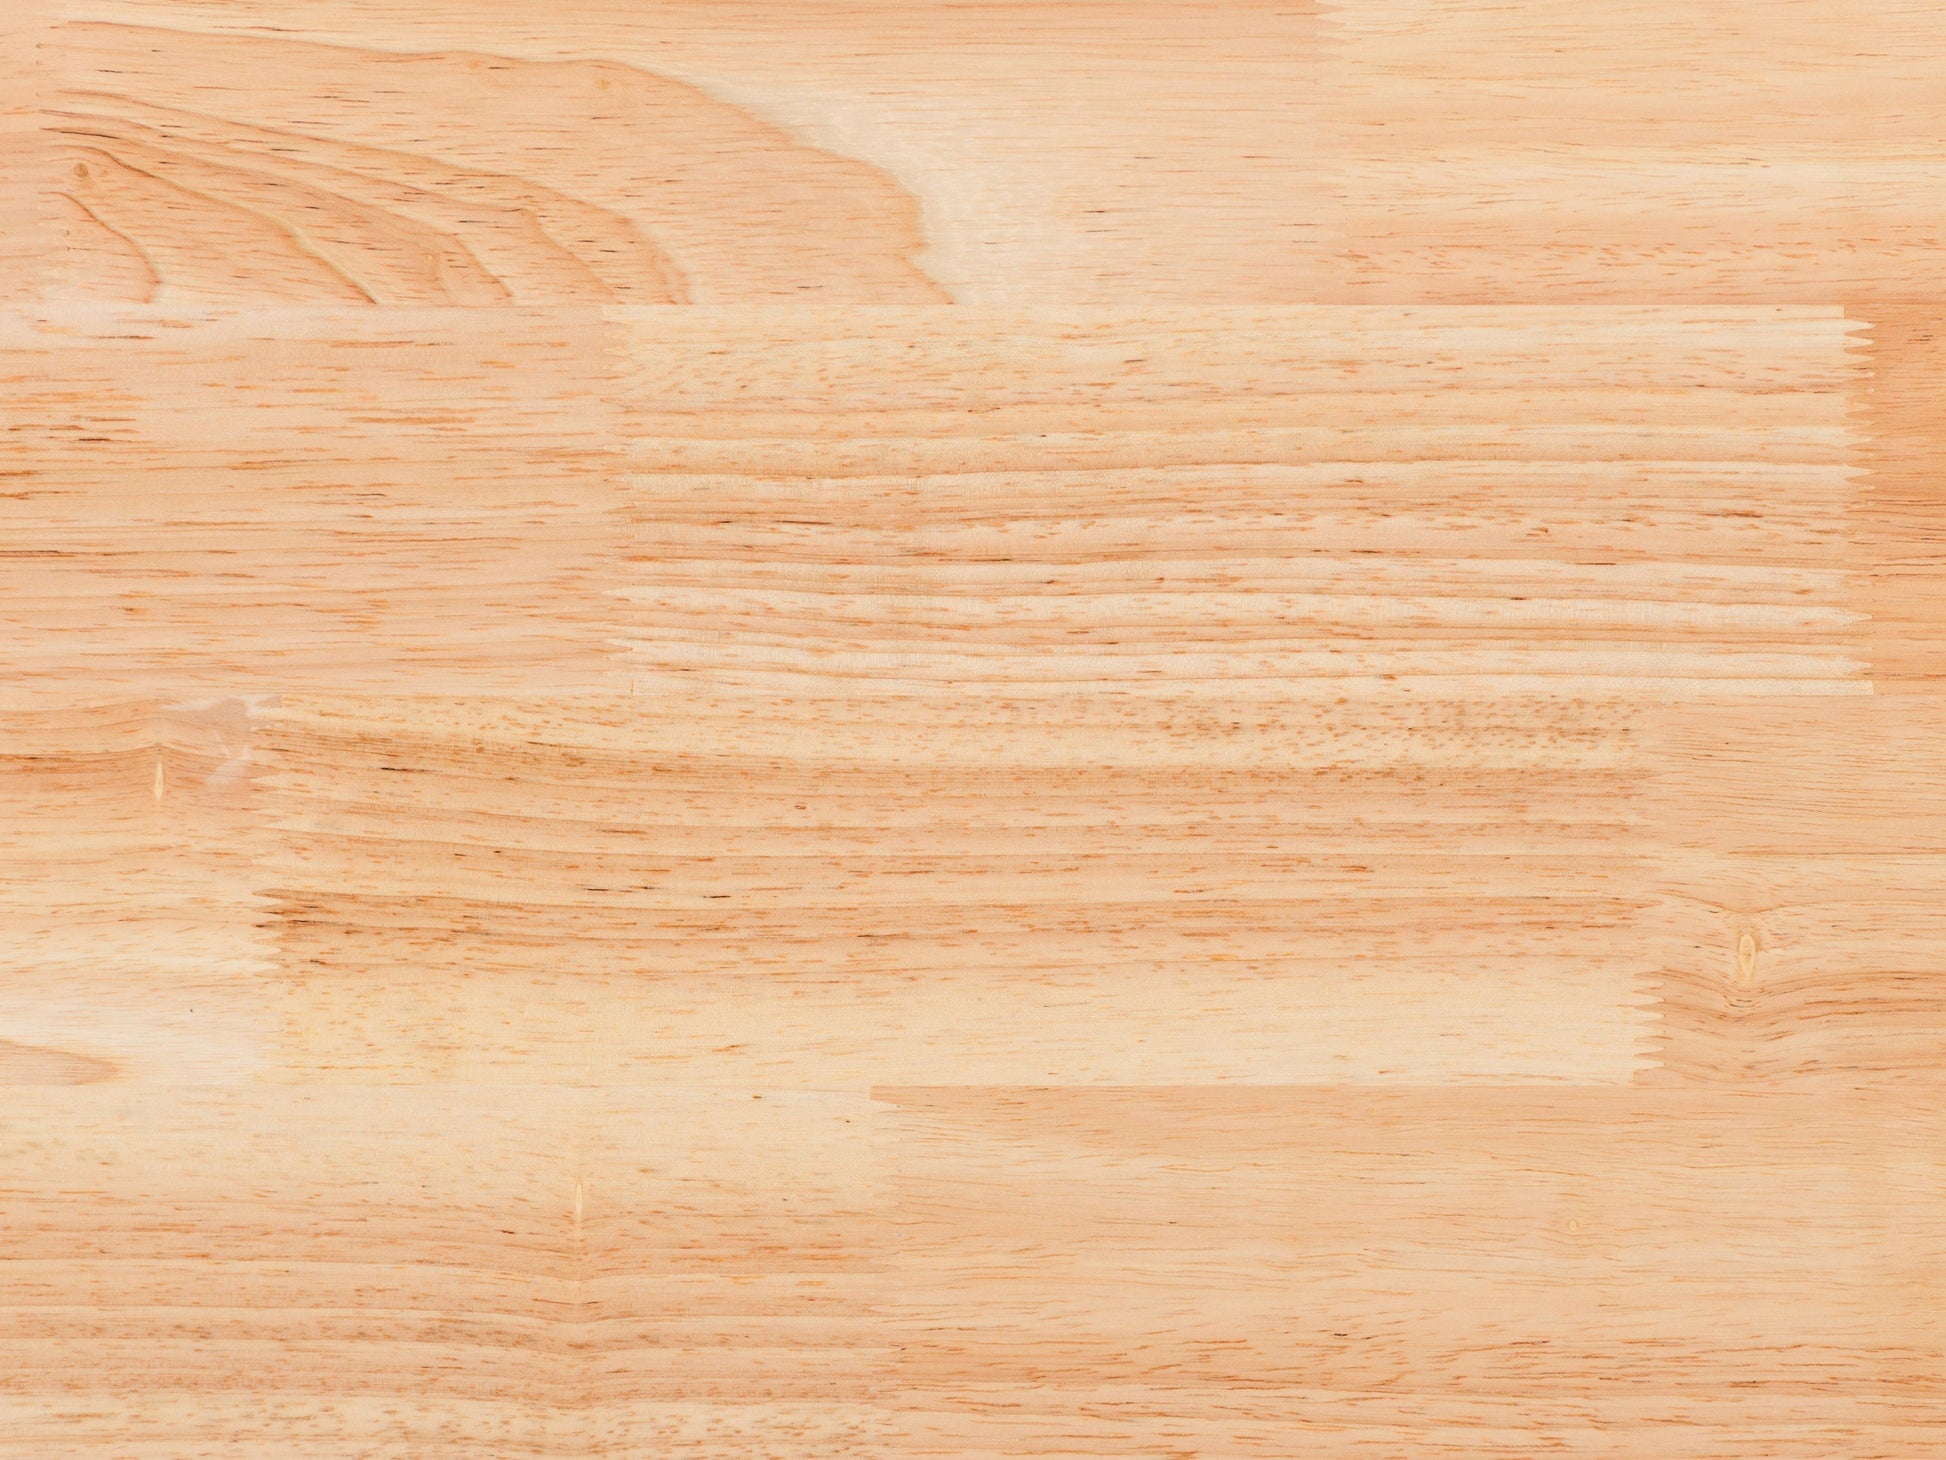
(1746, 959)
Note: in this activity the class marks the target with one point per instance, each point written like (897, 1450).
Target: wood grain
(880, 152)
(1905, 529)
(1203, 1272)
(1285, 502)
(932, 728)
(211, 501)
(841, 890)
(246, 168)
(1761, 150)
(32, 250)
(466, 1271)
(1807, 864)
(128, 883)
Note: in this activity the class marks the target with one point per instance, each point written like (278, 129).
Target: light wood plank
(455, 1272)
(1288, 502)
(887, 152)
(1805, 862)
(1309, 825)
(129, 839)
(1440, 1273)
(219, 503)
(836, 890)
(1753, 150)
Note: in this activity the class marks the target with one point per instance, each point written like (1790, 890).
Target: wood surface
(919, 729)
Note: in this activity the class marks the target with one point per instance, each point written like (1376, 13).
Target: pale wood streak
(129, 890)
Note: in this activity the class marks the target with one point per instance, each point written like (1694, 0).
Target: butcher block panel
(947, 730)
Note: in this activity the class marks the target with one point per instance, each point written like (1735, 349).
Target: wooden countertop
(1109, 728)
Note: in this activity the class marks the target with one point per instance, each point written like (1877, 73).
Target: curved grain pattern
(340, 234)
(256, 170)
(1805, 865)
(1091, 152)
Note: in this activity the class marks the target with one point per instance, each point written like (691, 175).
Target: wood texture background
(922, 729)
